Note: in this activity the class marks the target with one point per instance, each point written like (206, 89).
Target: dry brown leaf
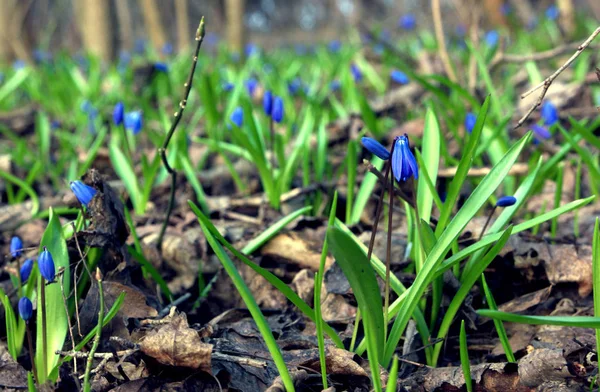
(295, 250)
(176, 344)
(134, 305)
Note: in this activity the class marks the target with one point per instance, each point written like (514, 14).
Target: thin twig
(439, 36)
(545, 85)
(162, 151)
(502, 57)
(86, 383)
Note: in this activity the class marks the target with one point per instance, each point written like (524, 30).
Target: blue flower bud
(46, 265)
(268, 102)
(133, 121)
(251, 85)
(407, 22)
(374, 147)
(84, 193)
(161, 67)
(552, 12)
(399, 77)
(277, 113)
(549, 113)
(16, 246)
(506, 201)
(25, 308)
(492, 37)
(540, 132)
(356, 74)
(237, 117)
(25, 270)
(470, 120)
(404, 164)
(118, 113)
(294, 86)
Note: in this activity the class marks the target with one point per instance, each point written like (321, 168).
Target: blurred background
(106, 28)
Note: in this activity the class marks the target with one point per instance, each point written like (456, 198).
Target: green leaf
(561, 321)
(431, 160)
(11, 326)
(464, 357)
(596, 275)
(361, 277)
(127, 175)
(497, 323)
(35, 201)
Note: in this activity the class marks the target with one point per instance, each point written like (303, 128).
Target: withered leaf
(176, 344)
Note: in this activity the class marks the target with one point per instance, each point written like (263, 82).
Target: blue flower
(25, 308)
(549, 113)
(356, 74)
(118, 113)
(334, 46)
(399, 77)
(228, 86)
(25, 270)
(19, 64)
(251, 85)
(84, 193)
(540, 132)
(237, 117)
(407, 22)
(46, 265)
(470, 120)
(552, 12)
(161, 67)
(139, 46)
(41, 56)
(16, 246)
(268, 102)
(167, 49)
(277, 113)
(374, 147)
(506, 201)
(335, 85)
(404, 164)
(492, 37)
(505, 9)
(294, 86)
(133, 121)
(461, 30)
(251, 49)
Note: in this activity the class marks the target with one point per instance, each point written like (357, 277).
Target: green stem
(86, 381)
(44, 329)
(162, 151)
(126, 143)
(31, 356)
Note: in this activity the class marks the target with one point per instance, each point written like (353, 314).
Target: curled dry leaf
(176, 344)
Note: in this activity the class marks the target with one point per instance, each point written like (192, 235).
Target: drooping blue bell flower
(506, 201)
(133, 121)
(25, 308)
(356, 73)
(407, 22)
(540, 132)
(84, 193)
(237, 117)
(268, 102)
(492, 37)
(16, 246)
(470, 120)
(277, 113)
(161, 67)
(404, 164)
(118, 113)
(552, 12)
(46, 265)
(376, 148)
(399, 77)
(25, 270)
(549, 113)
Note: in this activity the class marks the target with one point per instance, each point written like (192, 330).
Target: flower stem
(86, 381)
(162, 151)
(44, 329)
(31, 356)
(487, 222)
(388, 259)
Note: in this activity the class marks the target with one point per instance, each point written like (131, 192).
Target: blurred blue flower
(552, 12)
(167, 49)
(277, 113)
(41, 56)
(19, 64)
(212, 39)
(294, 86)
(16, 246)
(470, 120)
(55, 124)
(404, 164)
(549, 113)
(356, 74)
(378, 49)
(25, 308)
(25, 270)
(540, 132)
(133, 121)
(251, 50)
(506, 201)
(268, 102)
(461, 30)
(407, 22)
(492, 37)
(118, 113)
(228, 86)
(124, 59)
(161, 67)
(335, 46)
(399, 77)
(139, 47)
(335, 85)
(84, 193)
(375, 148)
(46, 265)
(237, 117)
(505, 9)
(251, 85)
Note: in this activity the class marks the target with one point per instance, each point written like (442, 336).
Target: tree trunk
(235, 24)
(183, 25)
(154, 27)
(125, 29)
(95, 27)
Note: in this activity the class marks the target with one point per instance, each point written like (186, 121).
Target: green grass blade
(35, 201)
(11, 326)
(431, 160)
(127, 175)
(393, 377)
(561, 321)
(497, 323)
(364, 192)
(351, 165)
(596, 275)
(464, 357)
